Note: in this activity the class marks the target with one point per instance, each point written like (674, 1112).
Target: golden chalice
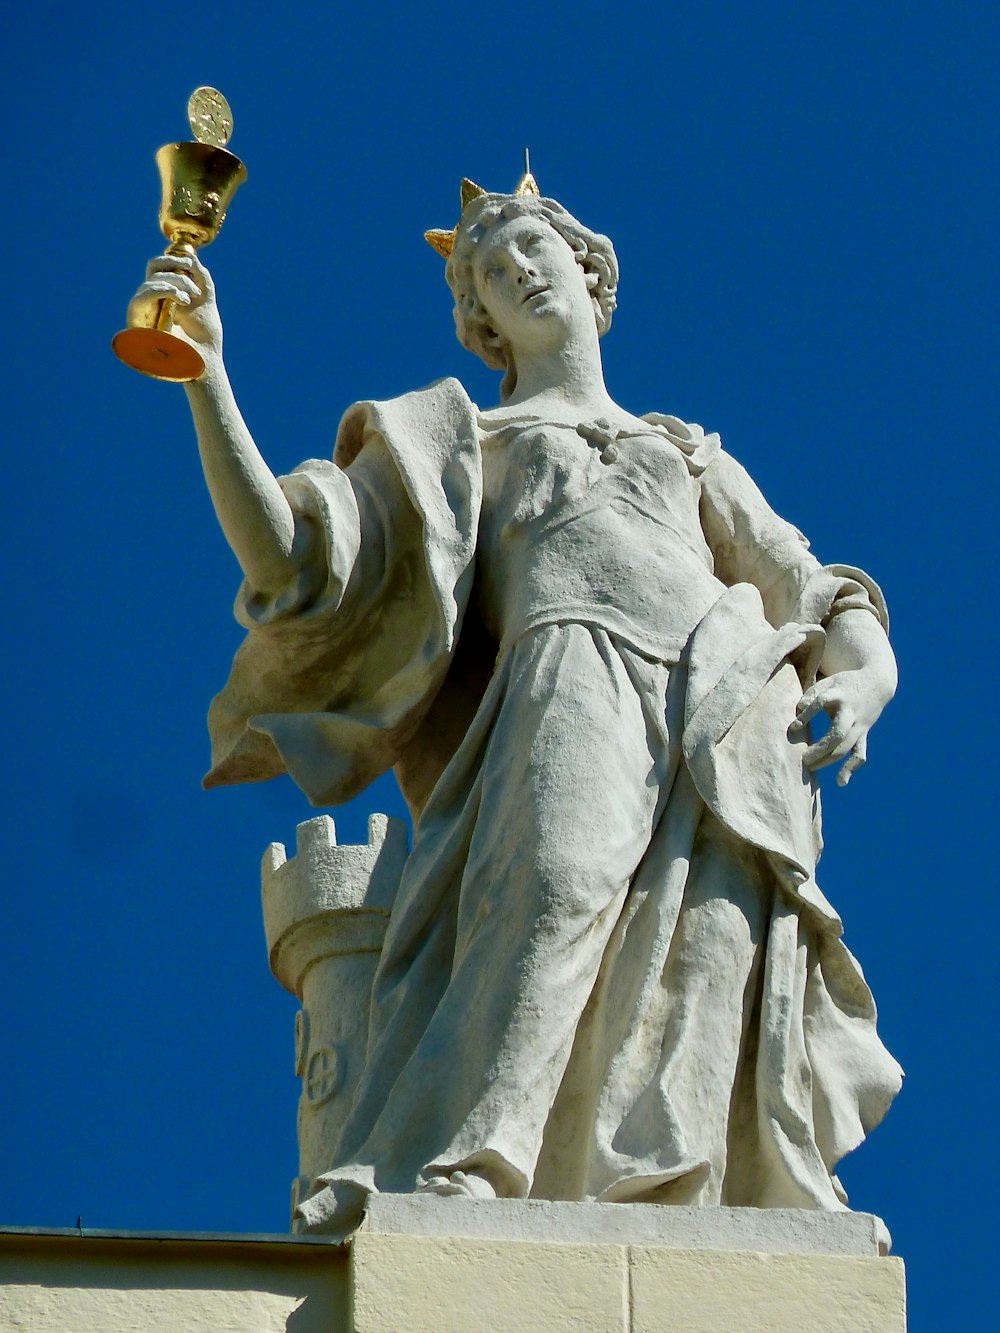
(198, 180)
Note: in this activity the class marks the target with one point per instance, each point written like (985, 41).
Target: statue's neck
(568, 376)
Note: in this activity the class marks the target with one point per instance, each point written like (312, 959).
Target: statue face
(528, 279)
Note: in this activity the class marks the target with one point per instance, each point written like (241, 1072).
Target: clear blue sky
(803, 198)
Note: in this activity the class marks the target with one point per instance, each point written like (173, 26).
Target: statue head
(592, 251)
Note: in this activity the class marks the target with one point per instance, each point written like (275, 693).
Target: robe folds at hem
(336, 683)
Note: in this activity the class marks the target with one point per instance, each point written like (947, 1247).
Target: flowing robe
(609, 972)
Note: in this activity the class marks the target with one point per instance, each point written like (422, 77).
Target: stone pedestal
(426, 1265)
(441, 1265)
(325, 914)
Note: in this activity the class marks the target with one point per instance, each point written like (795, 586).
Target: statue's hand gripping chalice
(198, 179)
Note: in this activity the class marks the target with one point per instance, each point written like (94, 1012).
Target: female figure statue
(591, 651)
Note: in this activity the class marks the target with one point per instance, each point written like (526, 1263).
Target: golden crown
(444, 241)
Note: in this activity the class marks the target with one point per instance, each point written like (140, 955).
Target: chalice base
(161, 355)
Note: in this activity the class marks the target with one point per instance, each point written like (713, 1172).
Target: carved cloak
(378, 664)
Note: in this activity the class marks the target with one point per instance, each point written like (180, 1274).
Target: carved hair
(594, 253)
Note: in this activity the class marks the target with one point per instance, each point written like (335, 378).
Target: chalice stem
(165, 315)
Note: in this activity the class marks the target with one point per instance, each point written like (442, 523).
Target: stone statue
(591, 652)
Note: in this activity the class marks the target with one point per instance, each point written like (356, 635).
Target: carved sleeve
(750, 543)
(332, 509)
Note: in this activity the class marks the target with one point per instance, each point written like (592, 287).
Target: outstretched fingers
(853, 761)
(847, 737)
(844, 734)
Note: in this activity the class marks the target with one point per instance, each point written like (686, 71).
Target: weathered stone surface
(156, 1282)
(705, 1291)
(761, 1230)
(424, 1265)
(448, 1284)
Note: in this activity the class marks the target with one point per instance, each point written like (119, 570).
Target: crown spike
(527, 184)
(441, 241)
(470, 190)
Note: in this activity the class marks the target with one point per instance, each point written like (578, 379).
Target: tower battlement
(328, 899)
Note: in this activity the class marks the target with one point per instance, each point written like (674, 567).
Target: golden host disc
(209, 116)
(158, 354)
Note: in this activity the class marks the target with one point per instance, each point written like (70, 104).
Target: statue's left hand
(853, 700)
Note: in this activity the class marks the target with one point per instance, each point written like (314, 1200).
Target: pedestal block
(432, 1265)
(423, 1265)
(325, 915)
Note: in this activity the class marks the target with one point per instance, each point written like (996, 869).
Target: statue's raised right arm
(254, 515)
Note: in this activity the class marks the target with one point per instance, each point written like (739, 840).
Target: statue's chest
(538, 474)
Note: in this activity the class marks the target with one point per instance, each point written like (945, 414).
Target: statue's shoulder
(444, 392)
(439, 410)
(700, 448)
